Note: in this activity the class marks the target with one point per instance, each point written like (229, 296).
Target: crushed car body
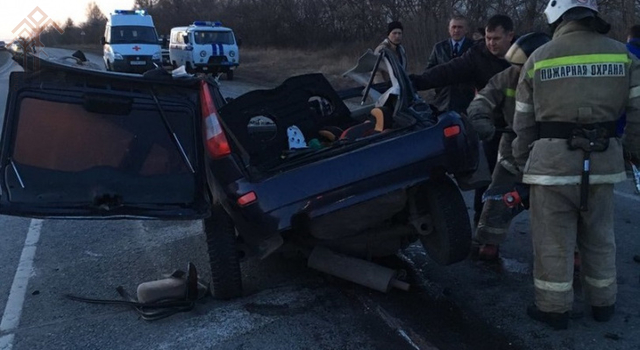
(300, 165)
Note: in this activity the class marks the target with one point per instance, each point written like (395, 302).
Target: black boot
(556, 320)
(603, 313)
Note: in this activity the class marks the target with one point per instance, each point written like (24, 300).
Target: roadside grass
(274, 65)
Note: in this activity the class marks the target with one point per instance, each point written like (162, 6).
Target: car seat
(379, 120)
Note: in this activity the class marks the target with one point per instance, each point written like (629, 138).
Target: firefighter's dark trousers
(496, 216)
(491, 153)
(557, 225)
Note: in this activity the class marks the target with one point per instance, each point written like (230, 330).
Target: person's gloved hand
(483, 126)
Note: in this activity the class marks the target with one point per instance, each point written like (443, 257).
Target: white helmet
(556, 8)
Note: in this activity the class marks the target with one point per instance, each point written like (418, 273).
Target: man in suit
(454, 97)
(476, 66)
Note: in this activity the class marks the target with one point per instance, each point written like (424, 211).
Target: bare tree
(349, 23)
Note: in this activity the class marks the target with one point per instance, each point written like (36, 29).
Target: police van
(130, 42)
(204, 47)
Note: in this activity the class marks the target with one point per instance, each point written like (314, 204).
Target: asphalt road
(469, 305)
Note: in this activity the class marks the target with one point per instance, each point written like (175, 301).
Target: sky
(17, 14)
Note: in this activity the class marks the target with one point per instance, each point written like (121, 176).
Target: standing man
(570, 95)
(393, 42)
(454, 97)
(476, 67)
(633, 40)
(633, 45)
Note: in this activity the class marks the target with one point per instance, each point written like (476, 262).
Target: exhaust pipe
(355, 270)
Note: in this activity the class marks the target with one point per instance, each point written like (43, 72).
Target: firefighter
(571, 92)
(493, 107)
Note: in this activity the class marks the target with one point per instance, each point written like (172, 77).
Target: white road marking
(633, 197)
(13, 310)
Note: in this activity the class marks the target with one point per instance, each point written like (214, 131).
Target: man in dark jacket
(454, 97)
(476, 66)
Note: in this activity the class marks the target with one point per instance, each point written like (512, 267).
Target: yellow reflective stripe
(599, 283)
(523, 107)
(553, 286)
(510, 92)
(579, 59)
(582, 59)
(634, 92)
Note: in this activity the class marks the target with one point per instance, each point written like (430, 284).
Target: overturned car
(301, 165)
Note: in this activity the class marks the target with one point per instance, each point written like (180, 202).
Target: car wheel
(230, 75)
(226, 278)
(450, 240)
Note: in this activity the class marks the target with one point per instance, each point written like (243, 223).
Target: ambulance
(130, 42)
(206, 47)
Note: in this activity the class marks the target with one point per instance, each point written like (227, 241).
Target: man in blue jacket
(633, 45)
(633, 40)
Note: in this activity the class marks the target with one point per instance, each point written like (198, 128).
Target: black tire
(226, 277)
(450, 240)
(230, 75)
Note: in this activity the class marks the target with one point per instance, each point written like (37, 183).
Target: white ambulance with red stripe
(206, 47)
(130, 42)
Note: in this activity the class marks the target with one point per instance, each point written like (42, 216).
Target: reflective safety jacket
(493, 107)
(580, 77)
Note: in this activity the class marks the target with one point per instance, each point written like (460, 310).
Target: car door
(80, 143)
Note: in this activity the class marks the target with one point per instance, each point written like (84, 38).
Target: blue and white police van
(206, 47)
(130, 42)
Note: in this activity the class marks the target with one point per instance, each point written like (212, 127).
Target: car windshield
(210, 37)
(133, 35)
